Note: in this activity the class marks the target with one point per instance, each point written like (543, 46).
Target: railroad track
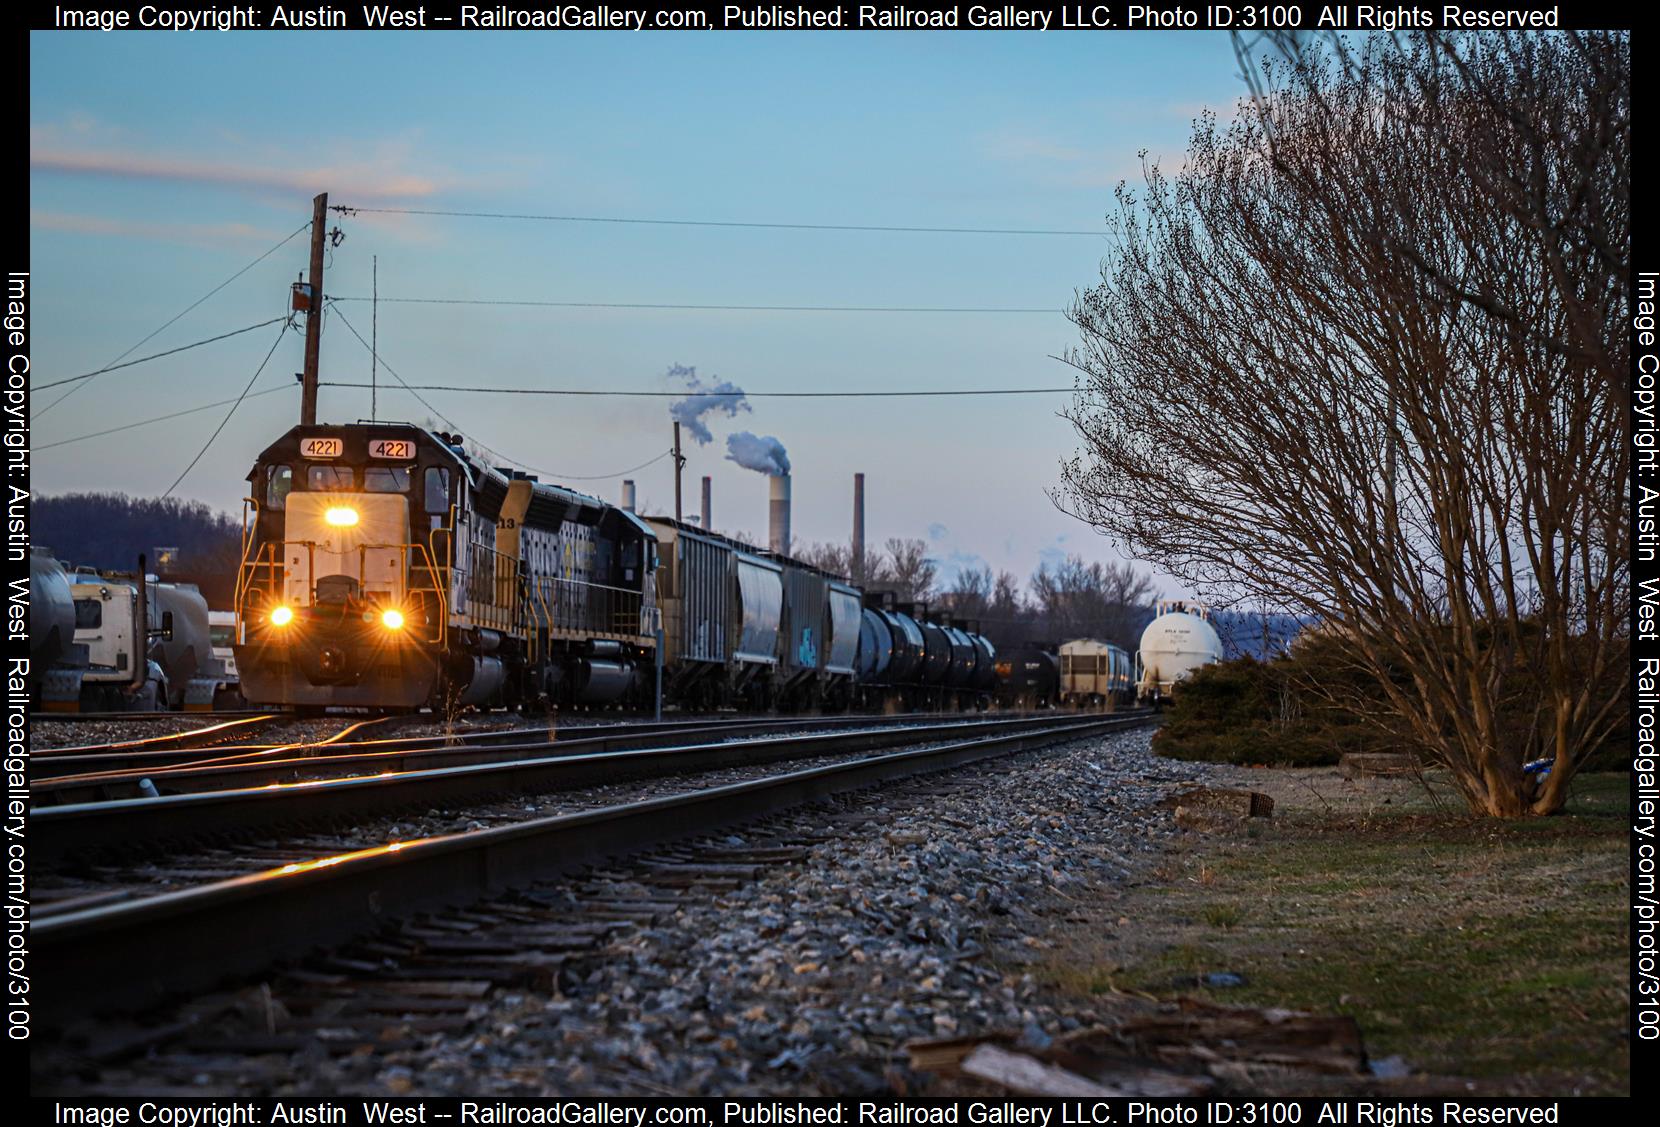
(441, 778)
(157, 758)
(134, 952)
(152, 753)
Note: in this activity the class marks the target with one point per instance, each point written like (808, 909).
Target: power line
(284, 386)
(715, 308)
(246, 388)
(110, 366)
(619, 473)
(453, 425)
(159, 355)
(714, 222)
(726, 394)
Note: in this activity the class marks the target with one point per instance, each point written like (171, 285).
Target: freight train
(386, 567)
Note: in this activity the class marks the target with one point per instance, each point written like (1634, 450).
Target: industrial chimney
(858, 525)
(706, 518)
(779, 534)
(628, 495)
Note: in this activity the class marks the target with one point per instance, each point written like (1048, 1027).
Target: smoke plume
(752, 452)
(701, 399)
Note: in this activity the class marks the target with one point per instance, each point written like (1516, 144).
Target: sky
(162, 164)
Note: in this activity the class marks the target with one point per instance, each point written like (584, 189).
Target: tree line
(1070, 598)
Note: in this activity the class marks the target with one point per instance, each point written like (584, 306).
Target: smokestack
(779, 535)
(628, 495)
(858, 524)
(706, 518)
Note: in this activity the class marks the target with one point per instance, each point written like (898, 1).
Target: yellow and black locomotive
(385, 567)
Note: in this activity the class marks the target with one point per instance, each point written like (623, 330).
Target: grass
(1472, 948)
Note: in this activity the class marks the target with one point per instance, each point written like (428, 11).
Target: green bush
(1248, 712)
(1307, 709)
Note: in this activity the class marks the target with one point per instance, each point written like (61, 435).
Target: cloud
(207, 234)
(373, 172)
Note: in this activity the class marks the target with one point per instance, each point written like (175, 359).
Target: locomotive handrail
(248, 503)
(444, 574)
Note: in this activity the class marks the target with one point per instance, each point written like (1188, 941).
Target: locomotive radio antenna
(374, 332)
(314, 313)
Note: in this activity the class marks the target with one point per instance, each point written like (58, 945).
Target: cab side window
(437, 490)
(278, 486)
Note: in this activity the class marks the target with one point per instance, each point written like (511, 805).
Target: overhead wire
(705, 308)
(883, 229)
(216, 430)
(158, 355)
(965, 391)
(453, 425)
(284, 386)
(111, 366)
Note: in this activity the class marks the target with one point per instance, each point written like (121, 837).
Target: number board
(392, 449)
(322, 447)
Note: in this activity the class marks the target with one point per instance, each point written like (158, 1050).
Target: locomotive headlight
(392, 619)
(341, 517)
(282, 616)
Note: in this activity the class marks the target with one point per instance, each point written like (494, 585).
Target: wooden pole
(679, 464)
(314, 315)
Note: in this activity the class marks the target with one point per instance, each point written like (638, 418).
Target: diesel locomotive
(385, 567)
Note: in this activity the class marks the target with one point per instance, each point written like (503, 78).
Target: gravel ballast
(909, 918)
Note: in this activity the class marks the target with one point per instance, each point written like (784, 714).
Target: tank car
(908, 660)
(385, 567)
(1179, 640)
(51, 614)
(1028, 677)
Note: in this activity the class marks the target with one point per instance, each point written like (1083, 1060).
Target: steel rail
(137, 953)
(216, 714)
(181, 741)
(123, 776)
(129, 755)
(57, 833)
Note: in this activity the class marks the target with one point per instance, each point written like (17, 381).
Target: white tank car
(1179, 640)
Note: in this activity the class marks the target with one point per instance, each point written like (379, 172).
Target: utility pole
(679, 464)
(314, 315)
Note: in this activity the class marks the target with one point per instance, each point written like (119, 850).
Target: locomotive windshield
(339, 478)
(386, 479)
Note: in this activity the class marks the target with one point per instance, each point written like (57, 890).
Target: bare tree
(1346, 363)
(907, 570)
(834, 558)
(969, 595)
(1075, 599)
